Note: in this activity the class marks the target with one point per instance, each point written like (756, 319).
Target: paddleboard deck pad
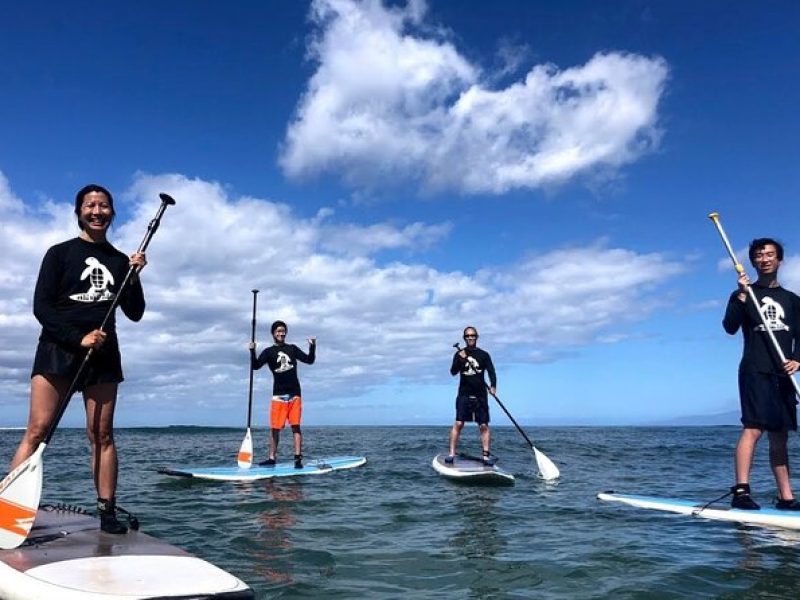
(68, 557)
(471, 469)
(255, 473)
(766, 517)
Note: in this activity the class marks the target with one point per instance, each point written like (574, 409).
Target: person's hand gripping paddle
(21, 489)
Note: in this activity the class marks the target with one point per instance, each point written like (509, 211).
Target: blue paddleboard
(318, 466)
(766, 517)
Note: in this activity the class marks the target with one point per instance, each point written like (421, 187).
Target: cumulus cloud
(790, 273)
(376, 322)
(392, 100)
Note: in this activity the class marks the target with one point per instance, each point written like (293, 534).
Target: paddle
(740, 269)
(245, 456)
(21, 489)
(547, 469)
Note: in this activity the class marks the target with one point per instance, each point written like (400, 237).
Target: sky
(387, 173)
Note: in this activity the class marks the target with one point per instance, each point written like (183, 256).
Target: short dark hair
(88, 189)
(759, 243)
(277, 324)
(467, 328)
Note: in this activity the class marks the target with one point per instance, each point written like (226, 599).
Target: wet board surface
(766, 517)
(471, 469)
(68, 557)
(319, 466)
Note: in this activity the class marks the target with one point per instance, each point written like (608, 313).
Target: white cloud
(790, 273)
(389, 101)
(376, 323)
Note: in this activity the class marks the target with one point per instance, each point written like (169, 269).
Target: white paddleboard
(68, 557)
(766, 517)
(254, 473)
(471, 469)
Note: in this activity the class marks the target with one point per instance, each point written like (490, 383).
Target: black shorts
(104, 366)
(768, 401)
(471, 408)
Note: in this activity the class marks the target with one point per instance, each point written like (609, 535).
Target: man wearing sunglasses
(472, 402)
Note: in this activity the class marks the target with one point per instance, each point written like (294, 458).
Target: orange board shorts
(283, 409)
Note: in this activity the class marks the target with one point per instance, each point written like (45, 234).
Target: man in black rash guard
(78, 281)
(765, 390)
(287, 403)
(472, 403)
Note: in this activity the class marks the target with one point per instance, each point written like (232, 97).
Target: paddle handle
(740, 269)
(252, 341)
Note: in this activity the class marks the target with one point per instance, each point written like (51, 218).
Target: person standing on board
(78, 281)
(472, 402)
(287, 404)
(766, 393)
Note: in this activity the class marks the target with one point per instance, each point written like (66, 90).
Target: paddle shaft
(740, 269)
(166, 200)
(508, 414)
(252, 341)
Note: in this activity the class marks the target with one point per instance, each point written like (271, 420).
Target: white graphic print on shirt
(99, 279)
(284, 363)
(471, 367)
(773, 314)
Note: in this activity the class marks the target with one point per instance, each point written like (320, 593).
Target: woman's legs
(100, 400)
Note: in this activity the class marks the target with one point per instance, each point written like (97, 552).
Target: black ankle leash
(133, 522)
(707, 504)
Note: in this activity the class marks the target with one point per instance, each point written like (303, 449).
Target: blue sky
(388, 173)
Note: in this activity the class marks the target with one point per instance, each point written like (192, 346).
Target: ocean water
(395, 529)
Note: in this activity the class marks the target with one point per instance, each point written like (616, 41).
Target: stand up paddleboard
(68, 557)
(255, 473)
(471, 469)
(766, 517)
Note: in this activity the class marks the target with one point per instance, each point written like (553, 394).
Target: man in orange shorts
(286, 405)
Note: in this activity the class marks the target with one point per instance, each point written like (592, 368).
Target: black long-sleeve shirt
(282, 361)
(471, 369)
(78, 281)
(781, 308)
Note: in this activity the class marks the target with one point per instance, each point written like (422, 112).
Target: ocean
(395, 529)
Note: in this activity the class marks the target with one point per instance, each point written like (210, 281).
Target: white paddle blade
(547, 469)
(245, 456)
(20, 492)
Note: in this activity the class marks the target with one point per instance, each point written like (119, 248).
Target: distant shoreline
(533, 426)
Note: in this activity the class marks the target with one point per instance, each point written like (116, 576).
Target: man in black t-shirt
(472, 403)
(286, 405)
(766, 391)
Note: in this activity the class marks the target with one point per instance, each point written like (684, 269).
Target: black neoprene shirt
(282, 361)
(471, 369)
(77, 283)
(782, 311)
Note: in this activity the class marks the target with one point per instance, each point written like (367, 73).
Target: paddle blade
(20, 492)
(245, 456)
(547, 469)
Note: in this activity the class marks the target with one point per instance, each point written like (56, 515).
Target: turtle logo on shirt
(99, 279)
(773, 315)
(284, 363)
(471, 367)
